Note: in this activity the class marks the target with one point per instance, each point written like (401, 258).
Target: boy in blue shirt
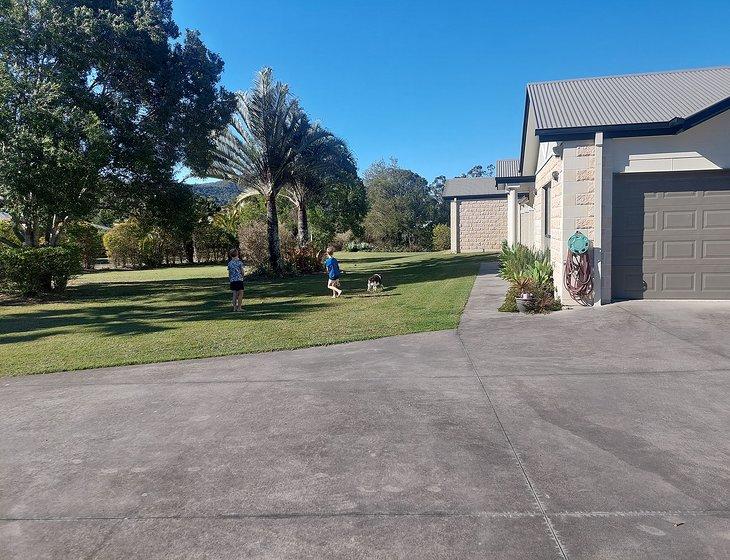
(333, 273)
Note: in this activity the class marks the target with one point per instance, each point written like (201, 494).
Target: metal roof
(625, 100)
(507, 168)
(471, 186)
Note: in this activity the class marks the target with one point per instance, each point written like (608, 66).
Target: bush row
(129, 244)
(35, 270)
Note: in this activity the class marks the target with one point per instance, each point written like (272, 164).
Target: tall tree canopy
(100, 100)
(402, 209)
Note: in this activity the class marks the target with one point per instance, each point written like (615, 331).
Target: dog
(375, 283)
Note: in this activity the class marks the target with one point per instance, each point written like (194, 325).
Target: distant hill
(222, 191)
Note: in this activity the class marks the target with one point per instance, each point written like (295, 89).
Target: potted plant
(525, 301)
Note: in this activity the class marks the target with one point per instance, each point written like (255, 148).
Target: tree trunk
(189, 251)
(302, 224)
(272, 231)
(29, 235)
(54, 234)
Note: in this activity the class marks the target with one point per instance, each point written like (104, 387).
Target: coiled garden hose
(578, 275)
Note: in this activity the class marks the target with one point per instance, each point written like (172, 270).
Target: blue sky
(440, 85)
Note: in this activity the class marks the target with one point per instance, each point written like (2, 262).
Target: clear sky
(440, 85)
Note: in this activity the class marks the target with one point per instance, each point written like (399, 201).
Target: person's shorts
(333, 282)
(237, 286)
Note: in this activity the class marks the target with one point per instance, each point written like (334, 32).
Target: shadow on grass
(135, 308)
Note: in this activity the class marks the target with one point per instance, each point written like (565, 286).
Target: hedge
(34, 270)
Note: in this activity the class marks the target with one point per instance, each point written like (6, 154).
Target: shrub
(509, 305)
(129, 244)
(8, 237)
(152, 248)
(355, 246)
(211, 243)
(441, 237)
(545, 300)
(123, 244)
(515, 261)
(34, 270)
(255, 251)
(341, 240)
(531, 272)
(254, 246)
(88, 239)
(304, 260)
(171, 246)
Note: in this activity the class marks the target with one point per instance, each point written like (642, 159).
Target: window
(547, 203)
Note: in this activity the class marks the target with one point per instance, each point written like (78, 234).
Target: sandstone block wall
(482, 224)
(572, 205)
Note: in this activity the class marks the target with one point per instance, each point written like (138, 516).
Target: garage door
(671, 236)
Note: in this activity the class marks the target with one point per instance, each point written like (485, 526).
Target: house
(478, 214)
(641, 165)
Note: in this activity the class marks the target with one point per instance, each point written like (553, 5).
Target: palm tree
(326, 159)
(259, 150)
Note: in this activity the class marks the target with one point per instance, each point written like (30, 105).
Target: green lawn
(131, 317)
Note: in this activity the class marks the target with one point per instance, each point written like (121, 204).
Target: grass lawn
(132, 317)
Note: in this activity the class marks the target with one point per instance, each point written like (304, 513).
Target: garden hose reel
(578, 243)
(578, 276)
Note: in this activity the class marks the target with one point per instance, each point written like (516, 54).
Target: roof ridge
(635, 74)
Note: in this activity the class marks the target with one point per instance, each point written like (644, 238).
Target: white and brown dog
(375, 283)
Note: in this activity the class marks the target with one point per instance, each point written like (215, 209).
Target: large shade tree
(100, 102)
(402, 210)
(262, 147)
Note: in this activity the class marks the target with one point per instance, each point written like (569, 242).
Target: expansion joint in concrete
(551, 529)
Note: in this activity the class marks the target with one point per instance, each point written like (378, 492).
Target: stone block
(585, 174)
(585, 151)
(587, 222)
(584, 198)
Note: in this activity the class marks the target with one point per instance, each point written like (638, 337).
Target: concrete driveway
(590, 433)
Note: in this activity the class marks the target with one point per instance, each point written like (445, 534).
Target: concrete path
(589, 433)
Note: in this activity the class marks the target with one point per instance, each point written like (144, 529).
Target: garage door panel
(716, 196)
(716, 219)
(679, 220)
(678, 281)
(716, 249)
(671, 236)
(678, 250)
(716, 282)
(650, 221)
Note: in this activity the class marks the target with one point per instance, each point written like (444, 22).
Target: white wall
(545, 152)
(526, 229)
(706, 146)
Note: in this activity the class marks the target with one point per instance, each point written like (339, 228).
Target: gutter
(665, 128)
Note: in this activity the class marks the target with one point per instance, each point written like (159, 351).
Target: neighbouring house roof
(635, 99)
(471, 187)
(4, 217)
(507, 168)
